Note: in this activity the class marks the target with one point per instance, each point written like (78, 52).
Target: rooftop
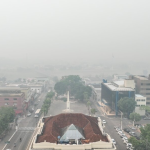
(141, 77)
(88, 125)
(138, 95)
(112, 87)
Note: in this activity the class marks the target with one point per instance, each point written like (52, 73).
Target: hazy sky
(75, 30)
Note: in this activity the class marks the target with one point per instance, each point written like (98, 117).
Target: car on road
(29, 114)
(104, 121)
(113, 141)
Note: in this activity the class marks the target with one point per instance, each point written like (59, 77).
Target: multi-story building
(142, 85)
(140, 101)
(114, 91)
(15, 99)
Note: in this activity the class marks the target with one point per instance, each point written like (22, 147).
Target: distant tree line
(75, 86)
(7, 115)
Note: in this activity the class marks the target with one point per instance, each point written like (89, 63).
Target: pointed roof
(71, 132)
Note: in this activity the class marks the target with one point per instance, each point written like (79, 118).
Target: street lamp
(121, 120)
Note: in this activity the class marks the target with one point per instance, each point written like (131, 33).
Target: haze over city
(75, 31)
(74, 74)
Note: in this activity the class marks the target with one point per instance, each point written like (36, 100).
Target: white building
(119, 77)
(141, 101)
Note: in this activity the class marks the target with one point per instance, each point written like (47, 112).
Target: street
(25, 130)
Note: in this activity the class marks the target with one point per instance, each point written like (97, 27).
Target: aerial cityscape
(74, 75)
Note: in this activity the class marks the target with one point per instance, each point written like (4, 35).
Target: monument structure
(68, 104)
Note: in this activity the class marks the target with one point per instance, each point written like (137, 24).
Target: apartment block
(142, 86)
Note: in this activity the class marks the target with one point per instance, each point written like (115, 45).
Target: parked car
(113, 141)
(29, 114)
(127, 130)
(118, 129)
(132, 133)
(125, 141)
(125, 138)
(104, 121)
(133, 128)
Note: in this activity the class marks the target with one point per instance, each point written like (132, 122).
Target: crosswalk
(26, 128)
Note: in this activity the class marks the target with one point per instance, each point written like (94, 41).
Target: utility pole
(121, 120)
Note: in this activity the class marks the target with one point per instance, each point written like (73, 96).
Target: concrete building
(15, 99)
(117, 77)
(140, 101)
(114, 91)
(142, 85)
(71, 131)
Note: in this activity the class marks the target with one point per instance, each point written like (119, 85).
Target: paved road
(25, 130)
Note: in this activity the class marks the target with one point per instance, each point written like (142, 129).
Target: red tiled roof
(53, 126)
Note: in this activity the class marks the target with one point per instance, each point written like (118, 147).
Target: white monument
(68, 104)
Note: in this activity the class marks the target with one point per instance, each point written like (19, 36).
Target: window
(142, 99)
(6, 98)
(15, 98)
(15, 104)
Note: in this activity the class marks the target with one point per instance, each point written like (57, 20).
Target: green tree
(146, 108)
(74, 84)
(7, 115)
(127, 105)
(144, 142)
(93, 111)
(135, 117)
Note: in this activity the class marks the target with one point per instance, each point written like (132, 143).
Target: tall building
(142, 86)
(114, 91)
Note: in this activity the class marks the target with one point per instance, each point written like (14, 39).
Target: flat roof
(141, 77)
(114, 88)
(138, 95)
(119, 83)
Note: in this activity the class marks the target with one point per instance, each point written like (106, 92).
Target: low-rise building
(15, 99)
(142, 86)
(71, 131)
(140, 101)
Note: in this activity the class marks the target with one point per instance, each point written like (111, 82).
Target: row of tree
(7, 115)
(75, 86)
(47, 102)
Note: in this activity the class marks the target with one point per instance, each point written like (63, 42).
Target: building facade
(140, 101)
(142, 86)
(13, 99)
(114, 91)
(71, 131)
